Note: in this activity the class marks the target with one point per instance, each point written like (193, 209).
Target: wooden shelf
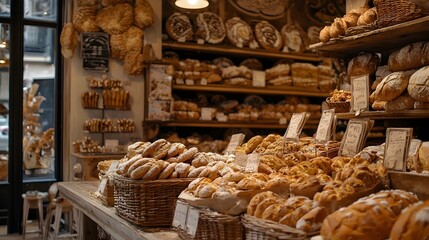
(407, 114)
(286, 90)
(235, 51)
(311, 124)
(378, 40)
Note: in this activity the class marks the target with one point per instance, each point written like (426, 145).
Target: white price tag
(323, 133)
(111, 143)
(180, 215)
(395, 152)
(189, 82)
(295, 126)
(252, 163)
(241, 159)
(236, 140)
(206, 113)
(180, 81)
(192, 221)
(203, 81)
(102, 186)
(360, 93)
(283, 121)
(221, 117)
(352, 139)
(258, 78)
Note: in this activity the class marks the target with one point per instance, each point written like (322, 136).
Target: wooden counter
(89, 163)
(81, 196)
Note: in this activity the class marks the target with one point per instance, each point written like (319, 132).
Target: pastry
(294, 38)
(268, 36)
(175, 149)
(153, 146)
(325, 34)
(412, 223)
(368, 17)
(252, 64)
(84, 19)
(137, 164)
(188, 154)
(167, 171)
(238, 32)
(154, 171)
(133, 63)
(351, 19)
(68, 40)
(179, 28)
(210, 28)
(338, 28)
(115, 19)
(143, 14)
(139, 172)
(117, 46)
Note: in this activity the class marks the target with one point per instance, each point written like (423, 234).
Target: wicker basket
(148, 203)
(259, 229)
(340, 107)
(215, 226)
(391, 12)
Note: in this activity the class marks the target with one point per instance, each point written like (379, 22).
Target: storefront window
(42, 9)
(5, 8)
(4, 101)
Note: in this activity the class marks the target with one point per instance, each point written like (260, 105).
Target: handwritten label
(360, 93)
(258, 78)
(236, 140)
(111, 143)
(414, 147)
(95, 51)
(397, 142)
(241, 159)
(180, 215)
(323, 133)
(192, 221)
(295, 126)
(352, 139)
(252, 163)
(206, 113)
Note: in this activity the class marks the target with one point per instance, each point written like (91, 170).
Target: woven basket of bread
(148, 203)
(215, 226)
(391, 12)
(340, 107)
(260, 229)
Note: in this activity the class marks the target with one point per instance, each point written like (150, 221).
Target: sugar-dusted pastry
(143, 14)
(294, 38)
(115, 19)
(117, 46)
(179, 27)
(68, 40)
(133, 63)
(238, 32)
(210, 28)
(268, 36)
(84, 19)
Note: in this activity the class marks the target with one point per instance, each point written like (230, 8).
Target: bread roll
(413, 223)
(338, 28)
(411, 56)
(368, 17)
(359, 10)
(68, 40)
(324, 35)
(403, 102)
(391, 86)
(418, 87)
(351, 19)
(363, 63)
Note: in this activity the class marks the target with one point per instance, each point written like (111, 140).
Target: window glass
(41, 9)
(4, 101)
(5, 8)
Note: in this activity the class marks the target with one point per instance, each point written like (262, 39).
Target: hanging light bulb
(192, 4)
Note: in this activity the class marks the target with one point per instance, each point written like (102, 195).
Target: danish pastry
(115, 19)
(238, 32)
(143, 14)
(210, 27)
(268, 36)
(133, 63)
(84, 19)
(179, 28)
(294, 38)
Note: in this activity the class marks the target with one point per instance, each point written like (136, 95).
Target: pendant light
(192, 4)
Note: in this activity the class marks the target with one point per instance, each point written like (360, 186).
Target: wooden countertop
(82, 197)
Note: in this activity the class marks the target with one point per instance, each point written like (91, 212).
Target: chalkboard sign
(95, 51)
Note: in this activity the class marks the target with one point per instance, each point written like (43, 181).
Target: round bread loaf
(413, 223)
(294, 38)
(268, 36)
(364, 63)
(418, 87)
(210, 27)
(179, 27)
(238, 32)
(403, 102)
(391, 87)
(411, 56)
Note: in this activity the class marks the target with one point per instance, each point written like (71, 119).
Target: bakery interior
(214, 119)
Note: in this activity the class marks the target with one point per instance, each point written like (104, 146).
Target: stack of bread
(116, 98)
(198, 72)
(109, 125)
(305, 75)
(234, 75)
(297, 212)
(278, 75)
(183, 110)
(90, 99)
(103, 82)
(87, 145)
(371, 217)
(327, 78)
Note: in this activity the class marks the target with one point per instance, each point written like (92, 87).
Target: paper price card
(241, 159)
(414, 147)
(252, 163)
(396, 150)
(192, 221)
(324, 130)
(206, 113)
(360, 93)
(258, 78)
(180, 215)
(102, 185)
(236, 140)
(352, 139)
(295, 126)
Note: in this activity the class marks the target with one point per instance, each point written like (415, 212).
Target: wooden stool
(32, 202)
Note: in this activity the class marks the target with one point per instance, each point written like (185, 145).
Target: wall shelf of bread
(379, 27)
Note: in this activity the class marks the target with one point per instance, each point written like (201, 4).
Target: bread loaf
(391, 86)
(424, 155)
(364, 63)
(413, 223)
(411, 56)
(403, 102)
(418, 87)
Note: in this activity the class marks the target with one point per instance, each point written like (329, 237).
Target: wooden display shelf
(383, 115)
(235, 51)
(283, 90)
(310, 124)
(379, 40)
(412, 182)
(109, 132)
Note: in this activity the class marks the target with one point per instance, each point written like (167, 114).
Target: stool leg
(47, 227)
(58, 212)
(24, 217)
(40, 206)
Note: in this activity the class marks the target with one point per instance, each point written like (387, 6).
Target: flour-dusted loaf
(392, 86)
(238, 32)
(268, 36)
(179, 27)
(403, 102)
(418, 87)
(411, 56)
(210, 28)
(294, 38)
(363, 63)
(413, 223)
